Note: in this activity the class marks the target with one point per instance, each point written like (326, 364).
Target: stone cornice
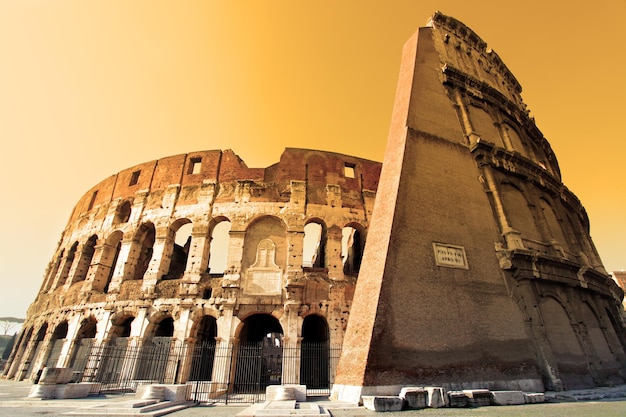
(513, 163)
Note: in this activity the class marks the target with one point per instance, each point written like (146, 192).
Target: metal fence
(226, 373)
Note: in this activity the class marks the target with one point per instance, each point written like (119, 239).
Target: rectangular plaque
(263, 282)
(450, 256)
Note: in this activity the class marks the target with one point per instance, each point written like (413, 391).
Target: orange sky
(88, 88)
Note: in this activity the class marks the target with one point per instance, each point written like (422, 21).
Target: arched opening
(314, 246)
(572, 364)
(155, 352)
(84, 262)
(519, 213)
(617, 331)
(352, 246)
(218, 252)
(180, 249)
(20, 348)
(554, 226)
(314, 353)
(57, 340)
(122, 214)
(82, 347)
(121, 328)
(111, 254)
(145, 240)
(259, 355)
(165, 328)
(204, 350)
(53, 271)
(69, 260)
(115, 361)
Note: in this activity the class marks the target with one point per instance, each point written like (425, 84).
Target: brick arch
(519, 214)
(564, 344)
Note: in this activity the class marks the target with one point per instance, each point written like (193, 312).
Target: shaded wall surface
(484, 274)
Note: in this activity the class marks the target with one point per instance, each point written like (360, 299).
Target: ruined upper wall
(461, 48)
(466, 80)
(190, 171)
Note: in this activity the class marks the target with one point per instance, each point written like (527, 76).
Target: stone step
(284, 408)
(136, 408)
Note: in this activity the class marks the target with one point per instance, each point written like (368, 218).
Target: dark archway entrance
(82, 348)
(315, 353)
(204, 350)
(259, 354)
(58, 339)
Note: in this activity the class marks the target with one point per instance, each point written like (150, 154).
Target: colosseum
(478, 271)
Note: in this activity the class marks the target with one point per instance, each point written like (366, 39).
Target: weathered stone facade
(479, 271)
(483, 273)
(119, 271)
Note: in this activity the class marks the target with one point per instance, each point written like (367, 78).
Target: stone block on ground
(414, 397)
(162, 392)
(382, 402)
(457, 399)
(67, 391)
(436, 397)
(534, 398)
(150, 392)
(56, 375)
(478, 397)
(285, 392)
(507, 397)
(42, 391)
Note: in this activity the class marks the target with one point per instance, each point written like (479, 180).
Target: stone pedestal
(414, 397)
(382, 403)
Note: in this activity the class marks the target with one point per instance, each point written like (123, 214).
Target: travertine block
(414, 397)
(382, 402)
(457, 399)
(507, 397)
(436, 397)
(534, 398)
(478, 397)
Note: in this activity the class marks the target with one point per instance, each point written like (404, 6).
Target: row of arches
(168, 252)
(542, 224)
(257, 357)
(585, 348)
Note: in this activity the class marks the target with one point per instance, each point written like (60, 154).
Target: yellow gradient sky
(88, 88)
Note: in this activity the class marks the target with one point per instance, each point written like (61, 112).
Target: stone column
(102, 262)
(81, 265)
(232, 274)
(291, 324)
(126, 263)
(69, 345)
(161, 257)
(472, 137)
(504, 133)
(333, 253)
(226, 345)
(197, 260)
(512, 237)
(22, 350)
(62, 272)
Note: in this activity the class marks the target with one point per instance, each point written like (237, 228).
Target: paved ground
(600, 402)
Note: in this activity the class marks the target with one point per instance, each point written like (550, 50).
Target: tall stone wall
(485, 275)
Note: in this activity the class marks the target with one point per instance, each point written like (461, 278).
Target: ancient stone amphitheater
(479, 270)
(199, 250)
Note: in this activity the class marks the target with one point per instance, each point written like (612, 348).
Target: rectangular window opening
(93, 200)
(349, 170)
(195, 165)
(134, 178)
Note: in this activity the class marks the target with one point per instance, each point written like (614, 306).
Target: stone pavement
(606, 402)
